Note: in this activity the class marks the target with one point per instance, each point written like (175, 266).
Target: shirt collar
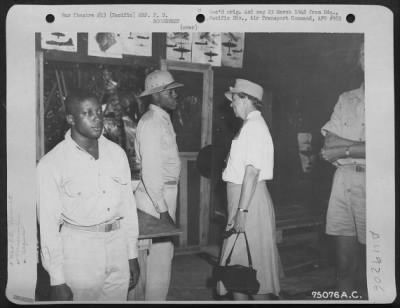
(253, 114)
(73, 143)
(159, 110)
(360, 93)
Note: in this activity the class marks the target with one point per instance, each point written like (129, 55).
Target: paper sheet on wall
(22, 251)
(206, 48)
(232, 49)
(137, 43)
(105, 44)
(64, 41)
(179, 46)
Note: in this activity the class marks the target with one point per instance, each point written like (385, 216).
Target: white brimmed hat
(159, 81)
(247, 87)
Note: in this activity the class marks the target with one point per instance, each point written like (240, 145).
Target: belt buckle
(108, 227)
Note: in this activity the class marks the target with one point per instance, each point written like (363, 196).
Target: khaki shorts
(346, 211)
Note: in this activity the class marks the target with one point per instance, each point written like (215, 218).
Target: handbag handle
(228, 259)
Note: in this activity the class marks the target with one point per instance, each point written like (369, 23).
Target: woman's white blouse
(252, 146)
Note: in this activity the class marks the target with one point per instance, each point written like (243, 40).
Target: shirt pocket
(115, 185)
(78, 186)
(168, 140)
(353, 127)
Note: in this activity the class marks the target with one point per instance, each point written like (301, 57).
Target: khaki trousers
(96, 266)
(162, 249)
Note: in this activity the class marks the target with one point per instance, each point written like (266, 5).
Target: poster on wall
(137, 43)
(179, 46)
(206, 48)
(105, 44)
(64, 41)
(232, 49)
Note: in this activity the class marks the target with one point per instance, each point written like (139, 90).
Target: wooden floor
(192, 276)
(304, 249)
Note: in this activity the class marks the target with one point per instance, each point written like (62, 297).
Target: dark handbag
(239, 278)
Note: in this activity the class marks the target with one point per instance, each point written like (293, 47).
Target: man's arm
(130, 224)
(333, 140)
(49, 213)
(336, 147)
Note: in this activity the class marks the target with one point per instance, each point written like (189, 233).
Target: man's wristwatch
(347, 152)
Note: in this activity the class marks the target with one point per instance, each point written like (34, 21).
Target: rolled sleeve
(150, 153)
(129, 223)
(254, 148)
(334, 125)
(49, 214)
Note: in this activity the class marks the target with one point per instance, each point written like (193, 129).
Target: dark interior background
(302, 74)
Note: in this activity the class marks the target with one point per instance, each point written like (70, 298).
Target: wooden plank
(206, 135)
(207, 108)
(39, 105)
(193, 205)
(183, 220)
(183, 197)
(205, 192)
(187, 250)
(152, 227)
(186, 66)
(299, 222)
(205, 184)
(188, 155)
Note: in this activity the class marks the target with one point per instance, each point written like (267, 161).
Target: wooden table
(149, 228)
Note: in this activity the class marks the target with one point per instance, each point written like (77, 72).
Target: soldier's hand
(134, 271)
(61, 292)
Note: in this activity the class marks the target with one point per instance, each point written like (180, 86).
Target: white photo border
(21, 115)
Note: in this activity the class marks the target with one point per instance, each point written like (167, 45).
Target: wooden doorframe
(40, 104)
(206, 139)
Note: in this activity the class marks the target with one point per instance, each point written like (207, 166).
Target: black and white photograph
(215, 167)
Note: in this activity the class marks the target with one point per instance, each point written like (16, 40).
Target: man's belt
(105, 227)
(356, 168)
(171, 182)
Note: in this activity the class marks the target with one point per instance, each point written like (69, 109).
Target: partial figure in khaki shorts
(344, 147)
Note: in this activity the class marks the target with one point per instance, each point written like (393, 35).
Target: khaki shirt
(76, 188)
(157, 154)
(348, 121)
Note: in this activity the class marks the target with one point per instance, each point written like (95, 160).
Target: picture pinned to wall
(64, 41)
(206, 48)
(137, 43)
(232, 49)
(179, 46)
(105, 44)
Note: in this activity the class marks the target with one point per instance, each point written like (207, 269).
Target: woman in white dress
(250, 208)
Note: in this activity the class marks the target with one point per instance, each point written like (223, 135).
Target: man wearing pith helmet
(158, 155)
